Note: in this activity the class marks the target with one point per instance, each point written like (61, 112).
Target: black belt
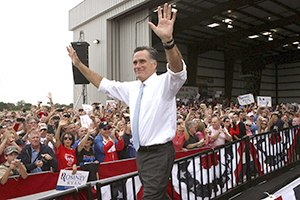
(154, 147)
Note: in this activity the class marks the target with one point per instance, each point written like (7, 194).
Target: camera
(60, 110)
(80, 110)
(44, 160)
(97, 107)
(19, 119)
(11, 121)
(67, 115)
(56, 117)
(4, 126)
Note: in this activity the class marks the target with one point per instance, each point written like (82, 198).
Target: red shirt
(66, 157)
(178, 141)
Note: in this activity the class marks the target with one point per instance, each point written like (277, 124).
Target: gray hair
(190, 124)
(34, 132)
(152, 52)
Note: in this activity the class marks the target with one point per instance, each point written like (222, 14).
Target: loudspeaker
(82, 50)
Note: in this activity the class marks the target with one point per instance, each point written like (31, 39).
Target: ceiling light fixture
(270, 38)
(213, 25)
(253, 36)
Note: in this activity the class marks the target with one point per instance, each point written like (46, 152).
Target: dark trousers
(154, 168)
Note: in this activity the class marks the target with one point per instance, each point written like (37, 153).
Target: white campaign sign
(85, 121)
(264, 101)
(87, 108)
(246, 99)
(66, 180)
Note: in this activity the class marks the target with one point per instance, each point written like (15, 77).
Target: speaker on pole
(82, 50)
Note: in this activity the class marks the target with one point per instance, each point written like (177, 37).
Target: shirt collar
(149, 80)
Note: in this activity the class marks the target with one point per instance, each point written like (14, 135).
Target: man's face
(235, 118)
(82, 131)
(106, 131)
(72, 128)
(33, 124)
(34, 140)
(143, 66)
(215, 123)
(284, 118)
(295, 121)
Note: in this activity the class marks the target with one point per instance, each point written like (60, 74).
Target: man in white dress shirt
(157, 115)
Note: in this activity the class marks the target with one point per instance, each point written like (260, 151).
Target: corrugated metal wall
(112, 57)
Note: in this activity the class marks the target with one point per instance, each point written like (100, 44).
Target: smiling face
(143, 65)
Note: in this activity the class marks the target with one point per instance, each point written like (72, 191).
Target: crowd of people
(49, 138)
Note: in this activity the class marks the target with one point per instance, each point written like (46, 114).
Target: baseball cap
(104, 125)
(43, 126)
(11, 149)
(250, 114)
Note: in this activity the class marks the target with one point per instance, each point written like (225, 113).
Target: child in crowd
(11, 166)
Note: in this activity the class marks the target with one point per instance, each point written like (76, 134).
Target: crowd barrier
(212, 173)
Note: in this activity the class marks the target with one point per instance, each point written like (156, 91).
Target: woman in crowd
(248, 124)
(180, 136)
(64, 152)
(262, 124)
(202, 134)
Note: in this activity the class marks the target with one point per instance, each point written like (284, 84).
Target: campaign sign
(85, 121)
(245, 99)
(87, 108)
(66, 180)
(264, 101)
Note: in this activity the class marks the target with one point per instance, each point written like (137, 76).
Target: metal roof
(274, 24)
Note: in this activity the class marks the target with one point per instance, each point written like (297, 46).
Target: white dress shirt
(157, 121)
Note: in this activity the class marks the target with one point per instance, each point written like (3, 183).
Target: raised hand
(73, 55)
(164, 28)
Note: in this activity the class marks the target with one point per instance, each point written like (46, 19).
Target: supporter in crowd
(262, 125)
(106, 143)
(9, 139)
(32, 124)
(84, 150)
(128, 151)
(254, 127)
(296, 121)
(180, 136)
(228, 125)
(82, 131)
(12, 166)
(192, 140)
(64, 152)
(248, 125)
(217, 133)
(202, 134)
(36, 156)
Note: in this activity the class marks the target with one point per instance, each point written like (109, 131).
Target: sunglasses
(44, 130)
(89, 139)
(108, 128)
(227, 121)
(248, 125)
(66, 138)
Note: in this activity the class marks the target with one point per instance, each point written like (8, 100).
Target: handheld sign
(264, 101)
(66, 180)
(246, 99)
(85, 121)
(87, 108)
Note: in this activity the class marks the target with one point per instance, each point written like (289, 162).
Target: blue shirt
(34, 155)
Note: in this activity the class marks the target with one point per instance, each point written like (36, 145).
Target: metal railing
(217, 173)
